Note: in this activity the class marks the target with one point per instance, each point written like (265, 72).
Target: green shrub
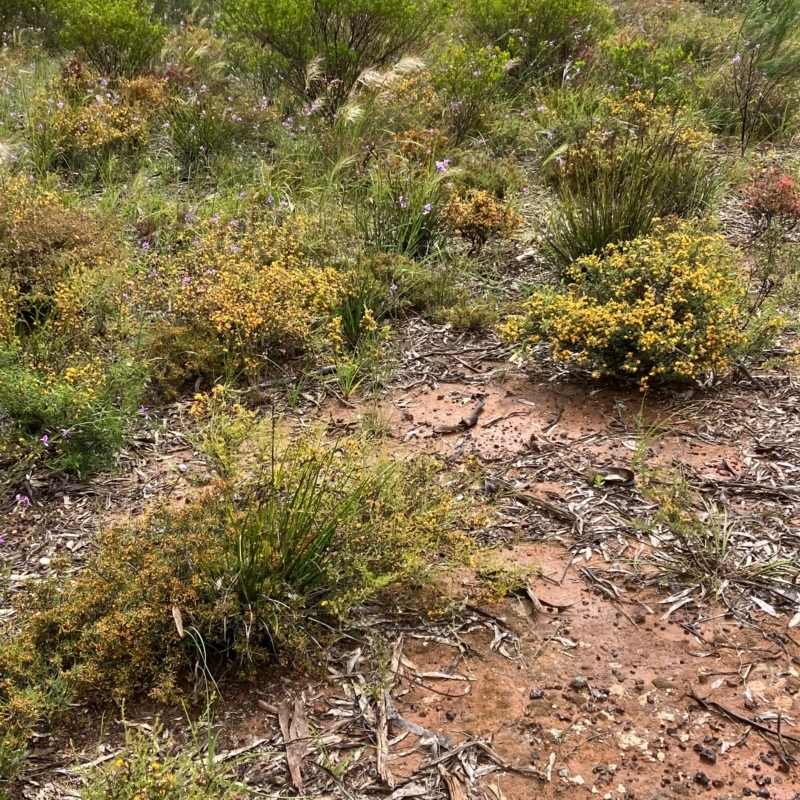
(765, 60)
(469, 80)
(663, 73)
(470, 315)
(415, 286)
(636, 164)
(76, 418)
(153, 765)
(666, 307)
(319, 49)
(38, 15)
(251, 566)
(480, 171)
(119, 38)
(545, 38)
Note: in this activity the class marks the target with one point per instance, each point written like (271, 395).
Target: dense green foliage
(117, 37)
(546, 39)
(319, 48)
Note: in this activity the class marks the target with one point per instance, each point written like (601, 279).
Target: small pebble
(702, 779)
(707, 754)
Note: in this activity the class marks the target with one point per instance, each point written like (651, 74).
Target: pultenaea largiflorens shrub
(665, 307)
(245, 290)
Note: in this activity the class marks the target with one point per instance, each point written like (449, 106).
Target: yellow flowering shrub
(627, 126)
(248, 288)
(478, 216)
(68, 380)
(81, 116)
(40, 238)
(667, 307)
(109, 630)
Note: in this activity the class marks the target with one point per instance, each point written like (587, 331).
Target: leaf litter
(557, 460)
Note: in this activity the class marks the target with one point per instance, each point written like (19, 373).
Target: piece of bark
(466, 423)
(296, 735)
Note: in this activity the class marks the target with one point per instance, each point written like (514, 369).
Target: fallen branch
(711, 705)
(504, 417)
(466, 423)
(781, 491)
